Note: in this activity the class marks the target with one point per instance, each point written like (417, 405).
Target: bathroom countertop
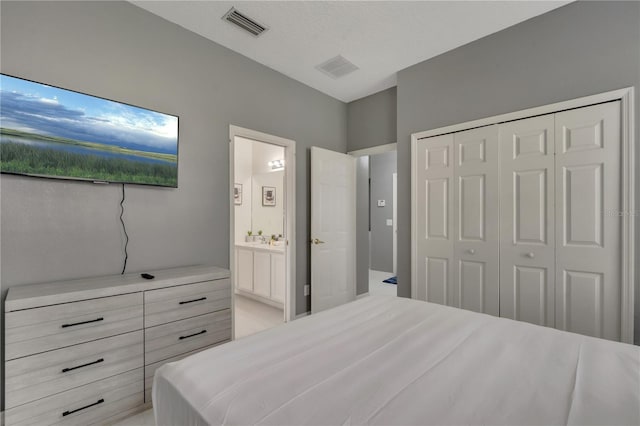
(262, 246)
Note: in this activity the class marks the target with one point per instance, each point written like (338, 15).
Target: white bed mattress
(393, 361)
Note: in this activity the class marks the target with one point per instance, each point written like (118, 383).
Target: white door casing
(333, 227)
(588, 226)
(394, 222)
(476, 215)
(434, 191)
(527, 247)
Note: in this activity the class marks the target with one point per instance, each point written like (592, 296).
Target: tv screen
(50, 132)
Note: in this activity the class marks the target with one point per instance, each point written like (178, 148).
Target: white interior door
(434, 237)
(476, 213)
(588, 226)
(333, 229)
(527, 248)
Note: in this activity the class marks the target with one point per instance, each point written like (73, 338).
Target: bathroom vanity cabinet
(260, 272)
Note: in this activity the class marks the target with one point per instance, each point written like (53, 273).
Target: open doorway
(261, 219)
(376, 188)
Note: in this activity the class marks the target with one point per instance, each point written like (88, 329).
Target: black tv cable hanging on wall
(124, 228)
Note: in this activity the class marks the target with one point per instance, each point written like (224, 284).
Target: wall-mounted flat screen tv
(50, 132)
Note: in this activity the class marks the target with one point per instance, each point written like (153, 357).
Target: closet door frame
(626, 97)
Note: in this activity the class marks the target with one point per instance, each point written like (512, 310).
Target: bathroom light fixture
(276, 164)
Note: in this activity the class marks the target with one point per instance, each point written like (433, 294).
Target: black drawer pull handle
(194, 300)
(194, 334)
(83, 322)
(66, 413)
(64, 370)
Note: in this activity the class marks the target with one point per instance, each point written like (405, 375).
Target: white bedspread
(394, 361)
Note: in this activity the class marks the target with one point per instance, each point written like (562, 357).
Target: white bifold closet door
(458, 245)
(588, 224)
(521, 220)
(476, 220)
(527, 246)
(435, 240)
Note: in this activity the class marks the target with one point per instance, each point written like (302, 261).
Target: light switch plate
(382, 203)
(389, 222)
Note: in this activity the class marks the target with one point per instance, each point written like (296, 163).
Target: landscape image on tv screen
(51, 132)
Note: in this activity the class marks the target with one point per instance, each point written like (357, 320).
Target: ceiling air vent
(244, 22)
(337, 67)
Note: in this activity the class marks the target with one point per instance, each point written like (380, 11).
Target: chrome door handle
(317, 241)
(471, 251)
(530, 255)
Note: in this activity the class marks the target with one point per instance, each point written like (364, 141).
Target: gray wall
(381, 170)
(372, 120)
(362, 224)
(54, 230)
(577, 50)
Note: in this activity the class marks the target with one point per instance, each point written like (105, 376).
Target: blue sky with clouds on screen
(38, 108)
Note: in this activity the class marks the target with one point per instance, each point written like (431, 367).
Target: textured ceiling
(380, 37)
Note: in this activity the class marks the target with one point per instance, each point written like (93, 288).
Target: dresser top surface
(44, 294)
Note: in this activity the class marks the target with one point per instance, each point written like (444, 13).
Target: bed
(395, 361)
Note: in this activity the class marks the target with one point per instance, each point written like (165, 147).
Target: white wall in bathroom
(262, 154)
(243, 169)
(269, 219)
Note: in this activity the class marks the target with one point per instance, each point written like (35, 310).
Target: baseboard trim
(304, 314)
(360, 296)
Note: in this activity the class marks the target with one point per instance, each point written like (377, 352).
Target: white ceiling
(380, 37)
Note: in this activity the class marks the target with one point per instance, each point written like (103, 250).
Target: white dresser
(85, 351)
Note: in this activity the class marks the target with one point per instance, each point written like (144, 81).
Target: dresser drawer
(168, 340)
(98, 402)
(32, 331)
(186, 301)
(150, 370)
(37, 376)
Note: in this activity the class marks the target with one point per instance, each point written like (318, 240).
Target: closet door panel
(527, 243)
(472, 287)
(530, 293)
(530, 206)
(434, 198)
(476, 240)
(588, 221)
